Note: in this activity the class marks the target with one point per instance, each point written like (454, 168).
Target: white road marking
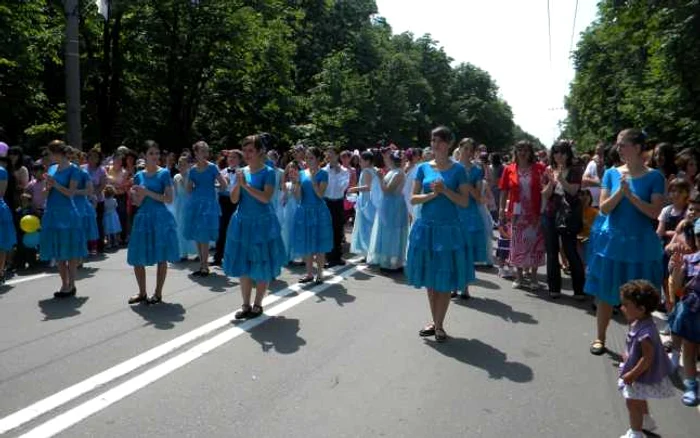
(29, 278)
(50, 403)
(73, 416)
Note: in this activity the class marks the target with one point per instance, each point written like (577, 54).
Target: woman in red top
(521, 185)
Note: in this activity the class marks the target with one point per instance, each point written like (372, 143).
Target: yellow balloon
(29, 223)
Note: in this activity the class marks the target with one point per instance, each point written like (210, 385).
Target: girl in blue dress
(81, 198)
(623, 244)
(312, 236)
(180, 198)
(387, 246)
(8, 236)
(437, 250)
(366, 206)
(470, 216)
(63, 236)
(203, 210)
(152, 241)
(254, 250)
(290, 205)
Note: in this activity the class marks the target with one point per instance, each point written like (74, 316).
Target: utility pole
(72, 65)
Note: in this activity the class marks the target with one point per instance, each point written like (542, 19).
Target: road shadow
(215, 281)
(86, 272)
(279, 334)
(497, 308)
(336, 292)
(475, 353)
(277, 285)
(361, 276)
(485, 284)
(162, 316)
(59, 308)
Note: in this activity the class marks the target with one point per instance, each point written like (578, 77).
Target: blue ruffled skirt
(362, 230)
(287, 223)
(387, 247)
(153, 237)
(473, 229)
(111, 223)
(89, 218)
(313, 230)
(615, 257)
(684, 319)
(63, 235)
(438, 257)
(202, 219)
(254, 247)
(8, 234)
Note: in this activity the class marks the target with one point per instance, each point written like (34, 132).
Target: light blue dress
(438, 258)
(63, 235)
(110, 220)
(85, 207)
(203, 210)
(472, 220)
(289, 212)
(254, 246)
(8, 234)
(312, 232)
(276, 200)
(365, 213)
(387, 247)
(623, 245)
(152, 234)
(179, 208)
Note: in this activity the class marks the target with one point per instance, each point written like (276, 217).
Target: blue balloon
(31, 240)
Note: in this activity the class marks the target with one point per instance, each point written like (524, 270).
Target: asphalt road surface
(338, 360)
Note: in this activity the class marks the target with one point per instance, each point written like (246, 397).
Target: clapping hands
(438, 186)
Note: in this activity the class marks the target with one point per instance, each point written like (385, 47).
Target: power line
(573, 29)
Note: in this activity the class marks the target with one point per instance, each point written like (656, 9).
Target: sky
(508, 39)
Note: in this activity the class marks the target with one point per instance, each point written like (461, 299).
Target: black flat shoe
(65, 294)
(427, 331)
(138, 299)
(243, 313)
(440, 335)
(255, 311)
(155, 299)
(306, 279)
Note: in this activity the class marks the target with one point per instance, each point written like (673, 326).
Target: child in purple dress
(644, 374)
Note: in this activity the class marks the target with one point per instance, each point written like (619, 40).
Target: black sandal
(440, 335)
(306, 279)
(256, 311)
(244, 313)
(155, 299)
(138, 299)
(426, 331)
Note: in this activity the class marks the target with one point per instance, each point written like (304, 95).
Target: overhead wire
(573, 29)
(549, 33)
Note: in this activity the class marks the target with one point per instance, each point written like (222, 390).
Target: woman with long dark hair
(154, 233)
(98, 176)
(623, 244)
(62, 237)
(563, 218)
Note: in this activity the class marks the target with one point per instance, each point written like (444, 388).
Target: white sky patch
(508, 39)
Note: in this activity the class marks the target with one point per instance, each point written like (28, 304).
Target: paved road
(338, 360)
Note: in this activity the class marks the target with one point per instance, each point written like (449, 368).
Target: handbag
(568, 216)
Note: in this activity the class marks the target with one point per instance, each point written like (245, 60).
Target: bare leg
(260, 291)
(204, 256)
(3, 259)
(246, 290)
(161, 273)
(636, 413)
(431, 302)
(442, 302)
(320, 262)
(690, 357)
(140, 274)
(519, 274)
(63, 272)
(72, 272)
(309, 265)
(603, 316)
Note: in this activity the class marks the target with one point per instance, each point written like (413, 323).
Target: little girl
(684, 320)
(290, 205)
(110, 221)
(503, 250)
(670, 217)
(644, 374)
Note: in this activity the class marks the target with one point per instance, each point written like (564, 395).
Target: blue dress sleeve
(607, 179)
(460, 176)
(478, 174)
(3, 174)
(137, 179)
(420, 173)
(658, 185)
(165, 179)
(214, 170)
(270, 178)
(75, 174)
(322, 176)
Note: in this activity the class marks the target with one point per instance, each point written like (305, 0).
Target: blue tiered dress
(85, 207)
(8, 235)
(180, 200)
(437, 250)
(203, 211)
(62, 235)
(365, 212)
(289, 212)
(254, 246)
(389, 237)
(623, 245)
(153, 232)
(313, 231)
(472, 220)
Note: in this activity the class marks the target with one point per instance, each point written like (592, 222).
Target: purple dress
(655, 382)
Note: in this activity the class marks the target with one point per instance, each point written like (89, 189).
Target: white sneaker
(632, 434)
(649, 424)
